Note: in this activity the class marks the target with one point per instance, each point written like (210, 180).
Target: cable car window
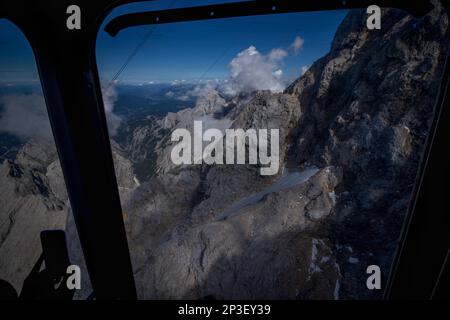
(269, 156)
(33, 198)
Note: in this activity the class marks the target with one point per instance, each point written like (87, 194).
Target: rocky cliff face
(360, 115)
(33, 198)
(367, 108)
(352, 133)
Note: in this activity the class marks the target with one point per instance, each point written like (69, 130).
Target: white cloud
(277, 54)
(202, 90)
(297, 45)
(170, 94)
(278, 73)
(25, 116)
(199, 91)
(177, 82)
(109, 99)
(250, 70)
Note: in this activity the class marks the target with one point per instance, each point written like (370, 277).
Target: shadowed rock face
(267, 250)
(352, 128)
(367, 107)
(33, 198)
(361, 114)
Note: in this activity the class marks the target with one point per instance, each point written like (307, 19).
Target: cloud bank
(110, 96)
(25, 116)
(297, 45)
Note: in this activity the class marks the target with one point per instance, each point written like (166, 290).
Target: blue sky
(187, 50)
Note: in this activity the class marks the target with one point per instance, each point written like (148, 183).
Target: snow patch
(337, 286)
(332, 196)
(353, 260)
(286, 181)
(314, 266)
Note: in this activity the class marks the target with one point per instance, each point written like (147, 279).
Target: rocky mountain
(33, 198)
(352, 134)
(360, 115)
(367, 108)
